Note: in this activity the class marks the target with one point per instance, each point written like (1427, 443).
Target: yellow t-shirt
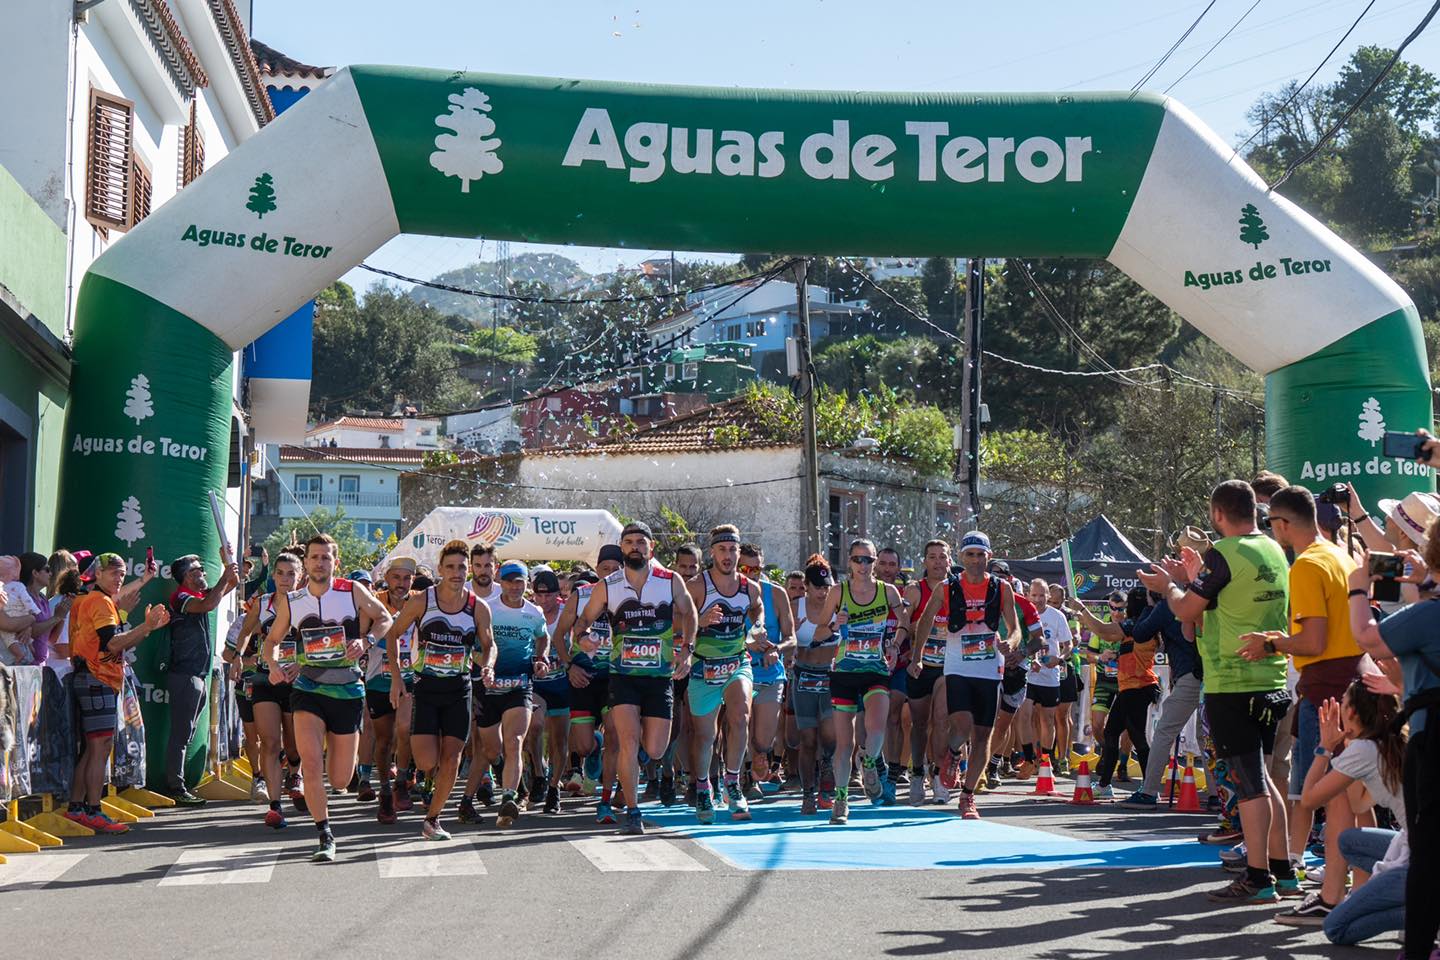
(1320, 587)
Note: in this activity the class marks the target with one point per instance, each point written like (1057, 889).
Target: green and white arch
(377, 151)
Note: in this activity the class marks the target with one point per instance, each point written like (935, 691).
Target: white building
(486, 431)
(377, 433)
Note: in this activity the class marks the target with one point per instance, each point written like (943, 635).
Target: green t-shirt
(1246, 579)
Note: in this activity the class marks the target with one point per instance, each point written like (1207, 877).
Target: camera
(1337, 494)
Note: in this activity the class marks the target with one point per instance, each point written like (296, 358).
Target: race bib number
(407, 665)
(444, 658)
(324, 647)
(718, 672)
(506, 684)
(640, 654)
(933, 653)
(977, 646)
(553, 669)
(1110, 670)
(807, 682)
(285, 652)
(865, 647)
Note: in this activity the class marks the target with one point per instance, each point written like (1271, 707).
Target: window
(140, 189)
(192, 150)
(349, 490)
(690, 371)
(669, 371)
(307, 487)
(846, 522)
(108, 163)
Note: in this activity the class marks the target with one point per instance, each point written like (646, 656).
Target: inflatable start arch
(377, 151)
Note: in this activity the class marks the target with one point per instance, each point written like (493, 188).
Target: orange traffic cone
(1084, 796)
(1045, 780)
(1189, 798)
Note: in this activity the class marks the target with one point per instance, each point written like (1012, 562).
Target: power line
(1217, 43)
(1135, 88)
(1350, 112)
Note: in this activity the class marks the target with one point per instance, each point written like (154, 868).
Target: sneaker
(325, 852)
(1290, 889)
(588, 786)
(634, 824)
(403, 800)
(258, 792)
(1309, 912)
(950, 770)
(840, 812)
(887, 793)
(917, 791)
(772, 784)
(1222, 836)
(76, 816)
(573, 783)
(807, 803)
(604, 813)
(826, 801)
(101, 823)
(467, 812)
(690, 798)
(667, 791)
(1235, 854)
(739, 806)
(1316, 875)
(1140, 800)
(942, 793)
(1242, 891)
(753, 793)
(1062, 767)
(431, 830)
(366, 793)
(870, 776)
(386, 812)
(967, 807)
(1104, 793)
(652, 790)
(1026, 770)
(297, 793)
(901, 777)
(983, 784)
(485, 796)
(705, 807)
(274, 819)
(184, 798)
(552, 800)
(509, 813)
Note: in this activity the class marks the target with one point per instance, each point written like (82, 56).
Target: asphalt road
(1020, 883)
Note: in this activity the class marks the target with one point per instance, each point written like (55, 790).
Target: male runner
(553, 688)
(391, 722)
(682, 729)
(509, 660)
(477, 782)
(815, 641)
(271, 702)
(687, 561)
(1070, 687)
(1043, 686)
(447, 624)
(653, 619)
(926, 670)
(767, 668)
(321, 621)
(887, 570)
(977, 604)
(865, 611)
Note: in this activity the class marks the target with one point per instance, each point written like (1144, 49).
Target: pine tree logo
(262, 196)
(1372, 422)
(468, 152)
(1252, 227)
(131, 525)
(137, 399)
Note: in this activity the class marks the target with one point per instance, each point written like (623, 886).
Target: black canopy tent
(1102, 558)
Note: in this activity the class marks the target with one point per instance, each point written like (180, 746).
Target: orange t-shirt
(91, 613)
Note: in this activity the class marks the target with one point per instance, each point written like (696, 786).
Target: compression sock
(323, 828)
(1282, 869)
(1029, 751)
(1259, 877)
(702, 786)
(842, 793)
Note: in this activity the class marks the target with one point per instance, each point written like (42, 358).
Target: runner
(1104, 654)
(1043, 684)
(510, 657)
(390, 720)
(720, 672)
(767, 667)
(687, 561)
(815, 643)
(653, 618)
(553, 688)
(270, 702)
(973, 664)
(321, 623)
(477, 781)
(682, 728)
(887, 570)
(928, 731)
(860, 674)
(1070, 687)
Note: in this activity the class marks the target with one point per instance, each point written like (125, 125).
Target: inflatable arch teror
(1134, 179)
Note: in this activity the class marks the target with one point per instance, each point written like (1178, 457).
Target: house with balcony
(380, 433)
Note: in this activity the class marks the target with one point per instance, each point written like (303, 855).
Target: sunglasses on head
(866, 560)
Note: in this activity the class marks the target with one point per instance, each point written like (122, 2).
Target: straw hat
(1411, 516)
(1192, 537)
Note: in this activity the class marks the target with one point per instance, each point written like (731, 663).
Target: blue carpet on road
(911, 838)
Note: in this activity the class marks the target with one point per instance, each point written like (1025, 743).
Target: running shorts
(377, 704)
(924, 685)
(654, 696)
(243, 704)
(849, 690)
(1104, 698)
(707, 695)
(96, 703)
(769, 693)
(972, 695)
(1069, 686)
(1242, 723)
(340, 716)
(556, 694)
(1043, 696)
(811, 696)
(490, 708)
(276, 693)
(1012, 701)
(441, 713)
(589, 703)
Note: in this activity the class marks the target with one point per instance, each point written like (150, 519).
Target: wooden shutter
(107, 161)
(140, 189)
(192, 150)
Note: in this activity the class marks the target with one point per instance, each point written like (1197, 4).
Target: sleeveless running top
(770, 595)
(320, 626)
(863, 637)
(725, 639)
(592, 652)
(932, 653)
(973, 614)
(443, 643)
(643, 622)
(377, 664)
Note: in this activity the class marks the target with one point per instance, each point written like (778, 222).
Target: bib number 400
(641, 654)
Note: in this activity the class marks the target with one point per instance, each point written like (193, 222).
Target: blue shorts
(556, 694)
(900, 681)
(706, 695)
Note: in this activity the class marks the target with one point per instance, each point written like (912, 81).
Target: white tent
(515, 534)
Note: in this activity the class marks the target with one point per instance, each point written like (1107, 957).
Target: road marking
(625, 855)
(428, 858)
(195, 868)
(31, 871)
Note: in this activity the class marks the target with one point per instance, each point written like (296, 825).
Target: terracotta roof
(273, 63)
(687, 433)
(391, 424)
(362, 455)
(169, 40)
(232, 31)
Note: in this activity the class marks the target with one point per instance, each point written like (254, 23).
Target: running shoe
(403, 800)
(366, 793)
(807, 803)
(1315, 875)
(966, 807)
(739, 806)
(1062, 767)
(917, 791)
(538, 784)
(667, 791)
(1026, 770)
(573, 784)
(588, 786)
(274, 819)
(690, 797)
(827, 777)
(259, 793)
(942, 792)
(1222, 836)
(1242, 891)
(431, 830)
(1289, 889)
(101, 823)
(902, 776)
(983, 784)
(634, 824)
(467, 812)
(485, 796)
(652, 790)
(604, 813)
(184, 798)
(887, 793)
(840, 812)
(773, 783)
(325, 852)
(297, 792)
(826, 800)
(385, 813)
(1140, 800)
(1106, 792)
(1235, 854)
(705, 807)
(1310, 912)
(950, 770)
(870, 776)
(552, 800)
(508, 814)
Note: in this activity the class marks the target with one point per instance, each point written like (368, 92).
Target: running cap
(363, 576)
(974, 539)
(401, 563)
(611, 551)
(636, 526)
(546, 580)
(1000, 568)
(511, 569)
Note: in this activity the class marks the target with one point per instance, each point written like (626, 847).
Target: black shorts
(95, 700)
(589, 703)
(972, 695)
(244, 705)
(490, 708)
(849, 690)
(923, 685)
(441, 713)
(1242, 723)
(276, 693)
(340, 716)
(655, 696)
(1069, 686)
(377, 704)
(1013, 680)
(681, 687)
(1043, 696)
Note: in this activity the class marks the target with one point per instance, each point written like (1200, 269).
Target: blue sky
(839, 44)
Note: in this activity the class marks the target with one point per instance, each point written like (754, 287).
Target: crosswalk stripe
(31, 871)
(228, 865)
(628, 855)
(428, 858)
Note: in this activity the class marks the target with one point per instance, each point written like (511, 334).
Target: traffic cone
(1045, 779)
(1189, 798)
(1172, 780)
(1084, 796)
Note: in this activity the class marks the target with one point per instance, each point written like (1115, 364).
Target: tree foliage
(355, 552)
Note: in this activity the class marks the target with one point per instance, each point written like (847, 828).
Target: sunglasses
(865, 560)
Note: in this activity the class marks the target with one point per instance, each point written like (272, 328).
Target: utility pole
(967, 459)
(805, 380)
